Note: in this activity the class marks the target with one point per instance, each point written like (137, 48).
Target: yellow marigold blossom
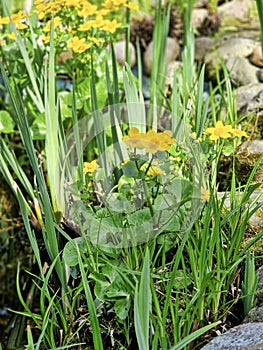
(37, 2)
(111, 26)
(11, 36)
(4, 20)
(17, 17)
(88, 9)
(21, 26)
(94, 40)
(78, 45)
(72, 3)
(132, 6)
(46, 39)
(102, 12)
(151, 141)
(90, 167)
(126, 161)
(57, 22)
(239, 133)
(99, 22)
(160, 141)
(85, 26)
(135, 139)
(152, 171)
(219, 131)
(205, 195)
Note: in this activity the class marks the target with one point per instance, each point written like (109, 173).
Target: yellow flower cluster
(19, 19)
(80, 17)
(76, 22)
(152, 171)
(152, 141)
(90, 167)
(223, 131)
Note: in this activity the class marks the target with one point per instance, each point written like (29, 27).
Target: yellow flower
(17, 17)
(88, 10)
(102, 12)
(78, 45)
(132, 6)
(4, 20)
(151, 141)
(85, 26)
(72, 3)
(46, 39)
(2, 42)
(99, 22)
(57, 22)
(11, 36)
(90, 167)
(134, 138)
(152, 171)
(239, 133)
(21, 26)
(205, 195)
(219, 131)
(94, 40)
(111, 26)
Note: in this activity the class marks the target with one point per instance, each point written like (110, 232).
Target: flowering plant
(155, 189)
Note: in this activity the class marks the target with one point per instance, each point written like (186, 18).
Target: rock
(256, 57)
(254, 315)
(247, 155)
(260, 75)
(230, 47)
(200, 3)
(239, 10)
(249, 98)
(120, 53)
(198, 17)
(248, 336)
(203, 45)
(241, 71)
(172, 52)
(172, 68)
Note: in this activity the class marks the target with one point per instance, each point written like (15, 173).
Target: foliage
(133, 244)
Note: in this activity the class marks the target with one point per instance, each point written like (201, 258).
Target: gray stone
(249, 98)
(198, 17)
(231, 47)
(120, 53)
(203, 45)
(260, 75)
(256, 57)
(247, 155)
(255, 315)
(239, 10)
(172, 52)
(248, 336)
(241, 71)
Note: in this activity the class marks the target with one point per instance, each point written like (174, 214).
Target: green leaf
(139, 217)
(6, 123)
(70, 253)
(122, 307)
(130, 170)
(143, 305)
(101, 285)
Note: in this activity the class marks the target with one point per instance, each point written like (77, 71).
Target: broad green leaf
(70, 253)
(6, 123)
